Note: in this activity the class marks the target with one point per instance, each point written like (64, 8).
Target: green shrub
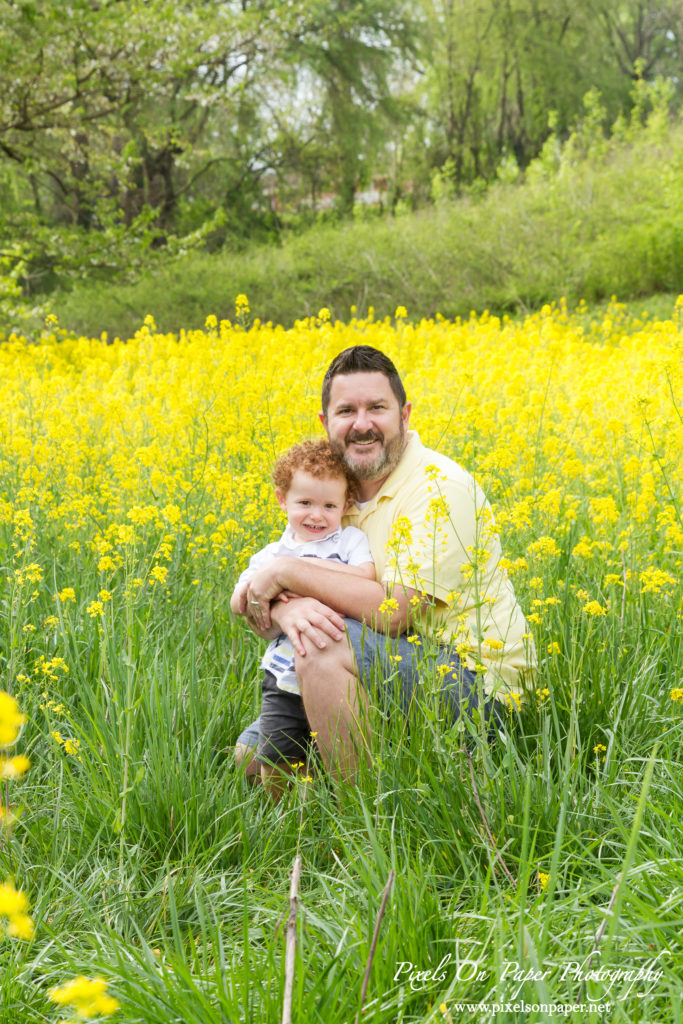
(581, 226)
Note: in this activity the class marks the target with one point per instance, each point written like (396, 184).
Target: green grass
(150, 861)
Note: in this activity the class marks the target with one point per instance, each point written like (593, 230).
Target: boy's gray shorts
(392, 671)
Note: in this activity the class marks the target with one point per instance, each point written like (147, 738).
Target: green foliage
(594, 218)
(134, 133)
(492, 72)
(125, 127)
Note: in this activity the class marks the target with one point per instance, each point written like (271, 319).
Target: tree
(128, 121)
(644, 37)
(115, 109)
(343, 54)
(494, 70)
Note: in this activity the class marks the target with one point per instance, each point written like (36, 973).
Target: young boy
(314, 488)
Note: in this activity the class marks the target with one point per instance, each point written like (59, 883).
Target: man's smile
(364, 442)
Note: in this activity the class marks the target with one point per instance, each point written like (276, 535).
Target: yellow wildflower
(158, 574)
(544, 546)
(595, 608)
(584, 549)
(13, 908)
(655, 580)
(14, 767)
(513, 701)
(11, 719)
(87, 996)
(493, 643)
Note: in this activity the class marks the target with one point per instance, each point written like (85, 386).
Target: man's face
(365, 424)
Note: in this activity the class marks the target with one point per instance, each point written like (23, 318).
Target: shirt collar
(408, 463)
(290, 540)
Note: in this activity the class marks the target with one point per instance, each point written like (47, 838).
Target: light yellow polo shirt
(431, 528)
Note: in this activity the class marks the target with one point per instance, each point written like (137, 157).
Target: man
(440, 594)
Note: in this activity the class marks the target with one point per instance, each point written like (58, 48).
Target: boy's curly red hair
(317, 458)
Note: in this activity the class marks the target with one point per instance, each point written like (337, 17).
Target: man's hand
(238, 598)
(263, 587)
(305, 618)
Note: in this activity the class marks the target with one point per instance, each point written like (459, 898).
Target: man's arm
(366, 570)
(346, 594)
(257, 561)
(309, 618)
(240, 603)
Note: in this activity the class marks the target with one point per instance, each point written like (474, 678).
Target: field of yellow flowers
(134, 485)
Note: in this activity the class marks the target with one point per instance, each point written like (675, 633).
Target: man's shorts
(394, 671)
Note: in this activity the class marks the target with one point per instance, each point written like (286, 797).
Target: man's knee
(316, 666)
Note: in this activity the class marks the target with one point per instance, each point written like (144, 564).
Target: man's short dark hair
(362, 359)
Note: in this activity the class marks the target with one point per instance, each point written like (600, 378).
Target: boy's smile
(314, 505)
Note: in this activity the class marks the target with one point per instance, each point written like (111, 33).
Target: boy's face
(314, 505)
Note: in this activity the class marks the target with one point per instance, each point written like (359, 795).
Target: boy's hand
(308, 619)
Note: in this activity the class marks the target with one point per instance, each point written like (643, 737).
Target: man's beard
(386, 461)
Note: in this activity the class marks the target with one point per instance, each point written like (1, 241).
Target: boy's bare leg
(275, 778)
(245, 759)
(336, 706)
